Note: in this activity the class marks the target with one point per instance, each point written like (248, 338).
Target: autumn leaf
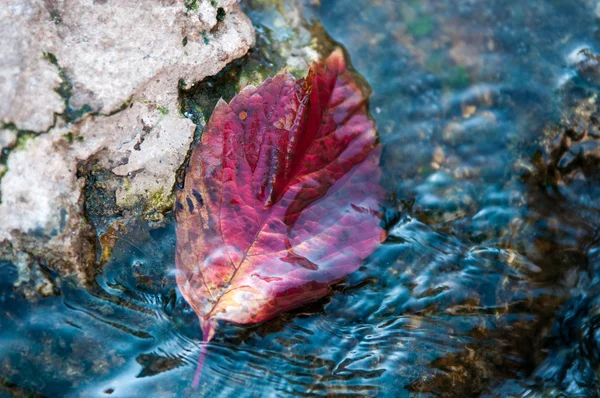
(281, 198)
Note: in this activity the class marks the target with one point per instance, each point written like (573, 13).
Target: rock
(125, 62)
(150, 144)
(42, 208)
(294, 43)
(467, 55)
(102, 42)
(128, 45)
(27, 78)
(586, 63)
(8, 139)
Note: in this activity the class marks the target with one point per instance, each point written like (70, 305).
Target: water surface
(488, 284)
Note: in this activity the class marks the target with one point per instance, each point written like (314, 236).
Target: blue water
(488, 284)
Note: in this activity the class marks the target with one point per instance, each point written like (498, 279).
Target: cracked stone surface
(27, 79)
(113, 53)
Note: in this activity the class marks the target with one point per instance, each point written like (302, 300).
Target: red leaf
(281, 197)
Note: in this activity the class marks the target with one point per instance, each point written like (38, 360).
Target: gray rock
(8, 138)
(114, 54)
(27, 78)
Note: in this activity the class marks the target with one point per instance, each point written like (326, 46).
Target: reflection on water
(489, 283)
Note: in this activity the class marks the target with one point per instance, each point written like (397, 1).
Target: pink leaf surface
(281, 197)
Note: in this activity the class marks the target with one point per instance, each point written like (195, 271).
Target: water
(489, 283)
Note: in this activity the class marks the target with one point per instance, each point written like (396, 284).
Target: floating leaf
(281, 198)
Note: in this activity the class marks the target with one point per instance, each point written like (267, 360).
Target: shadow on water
(488, 284)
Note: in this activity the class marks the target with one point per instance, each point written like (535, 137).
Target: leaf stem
(208, 331)
(200, 365)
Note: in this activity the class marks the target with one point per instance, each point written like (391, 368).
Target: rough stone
(125, 60)
(299, 47)
(27, 78)
(109, 50)
(8, 138)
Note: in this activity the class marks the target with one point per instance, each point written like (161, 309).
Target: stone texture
(113, 54)
(8, 138)
(27, 78)
(298, 46)
(127, 42)
(124, 43)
